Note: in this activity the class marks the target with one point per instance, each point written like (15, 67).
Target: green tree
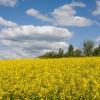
(70, 52)
(60, 53)
(96, 51)
(50, 54)
(77, 53)
(88, 47)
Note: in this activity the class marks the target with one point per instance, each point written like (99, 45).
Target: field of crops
(50, 79)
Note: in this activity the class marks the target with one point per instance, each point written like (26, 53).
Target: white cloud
(7, 3)
(35, 13)
(78, 4)
(65, 15)
(7, 23)
(97, 23)
(97, 10)
(13, 53)
(29, 40)
(28, 49)
(36, 32)
(98, 39)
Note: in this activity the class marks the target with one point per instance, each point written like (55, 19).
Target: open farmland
(50, 79)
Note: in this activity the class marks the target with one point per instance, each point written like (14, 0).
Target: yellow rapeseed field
(50, 79)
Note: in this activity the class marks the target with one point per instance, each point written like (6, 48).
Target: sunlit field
(50, 79)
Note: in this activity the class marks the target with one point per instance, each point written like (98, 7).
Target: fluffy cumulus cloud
(13, 53)
(35, 13)
(31, 32)
(7, 23)
(98, 39)
(65, 15)
(78, 4)
(7, 3)
(97, 10)
(30, 40)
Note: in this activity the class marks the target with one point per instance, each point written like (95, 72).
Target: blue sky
(31, 27)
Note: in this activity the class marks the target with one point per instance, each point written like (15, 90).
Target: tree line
(87, 50)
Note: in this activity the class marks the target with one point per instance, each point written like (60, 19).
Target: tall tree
(60, 53)
(77, 53)
(88, 47)
(96, 51)
(70, 52)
